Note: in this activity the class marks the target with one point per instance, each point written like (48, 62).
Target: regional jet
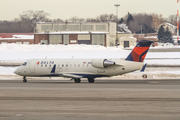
(76, 69)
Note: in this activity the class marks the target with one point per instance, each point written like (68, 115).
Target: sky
(65, 9)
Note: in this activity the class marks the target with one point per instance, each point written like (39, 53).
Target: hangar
(75, 33)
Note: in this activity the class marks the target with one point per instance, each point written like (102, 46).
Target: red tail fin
(138, 54)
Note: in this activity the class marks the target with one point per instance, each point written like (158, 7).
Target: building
(18, 38)
(171, 27)
(76, 33)
(126, 40)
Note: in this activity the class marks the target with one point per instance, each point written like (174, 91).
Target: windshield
(24, 64)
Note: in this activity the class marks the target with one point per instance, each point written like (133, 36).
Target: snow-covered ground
(18, 53)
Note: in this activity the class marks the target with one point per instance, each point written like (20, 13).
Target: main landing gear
(77, 80)
(91, 80)
(24, 79)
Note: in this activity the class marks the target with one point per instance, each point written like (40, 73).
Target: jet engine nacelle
(102, 63)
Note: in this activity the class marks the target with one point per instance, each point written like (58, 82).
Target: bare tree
(91, 20)
(156, 21)
(76, 19)
(172, 19)
(141, 21)
(106, 18)
(32, 17)
(58, 20)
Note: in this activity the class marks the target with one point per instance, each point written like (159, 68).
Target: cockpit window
(24, 64)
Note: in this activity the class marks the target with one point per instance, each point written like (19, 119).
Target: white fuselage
(75, 68)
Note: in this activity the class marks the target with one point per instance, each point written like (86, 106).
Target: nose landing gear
(24, 79)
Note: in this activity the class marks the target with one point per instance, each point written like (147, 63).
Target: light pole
(116, 5)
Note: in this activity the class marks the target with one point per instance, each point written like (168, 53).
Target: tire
(91, 80)
(78, 80)
(24, 79)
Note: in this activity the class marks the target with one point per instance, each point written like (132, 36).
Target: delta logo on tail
(138, 54)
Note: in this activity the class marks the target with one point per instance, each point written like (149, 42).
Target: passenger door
(32, 66)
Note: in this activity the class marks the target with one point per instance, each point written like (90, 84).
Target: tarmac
(106, 99)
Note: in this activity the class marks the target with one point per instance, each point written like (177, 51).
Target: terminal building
(75, 33)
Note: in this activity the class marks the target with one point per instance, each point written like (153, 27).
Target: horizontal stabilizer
(143, 68)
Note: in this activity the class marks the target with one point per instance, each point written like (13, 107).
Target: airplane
(86, 68)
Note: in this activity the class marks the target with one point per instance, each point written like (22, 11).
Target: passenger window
(45, 65)
(41, 65)
(67, 65)
(49, 65)
(62, 65)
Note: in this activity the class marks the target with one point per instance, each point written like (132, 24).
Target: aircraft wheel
(24, 79)
(78, 80)
(91, 80)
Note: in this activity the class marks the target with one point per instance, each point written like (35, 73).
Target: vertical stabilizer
(139, 52)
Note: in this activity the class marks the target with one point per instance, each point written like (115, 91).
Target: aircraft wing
(72, 76)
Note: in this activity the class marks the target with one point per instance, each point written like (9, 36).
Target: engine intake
(102, 63)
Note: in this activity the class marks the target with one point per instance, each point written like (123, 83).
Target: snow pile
(19, 53)
(20, 37)
(165, 45)
(24, 36)
(123, 28)
(23, 52)
(150, 37)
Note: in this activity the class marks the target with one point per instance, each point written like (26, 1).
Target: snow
(24, 52)
(77, 32)
(14, 53)
(19, 37)
(129, 37)
(19, 52)
(170, 25)
(151, 37)
(7, 70)
(123, 28)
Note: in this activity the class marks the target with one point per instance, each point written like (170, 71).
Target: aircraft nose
(16, 71)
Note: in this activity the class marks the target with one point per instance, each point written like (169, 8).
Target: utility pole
(177, 21)
(117, 5)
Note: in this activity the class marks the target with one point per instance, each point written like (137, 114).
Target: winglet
(139, 52)
(53, 70)
(143, 68)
